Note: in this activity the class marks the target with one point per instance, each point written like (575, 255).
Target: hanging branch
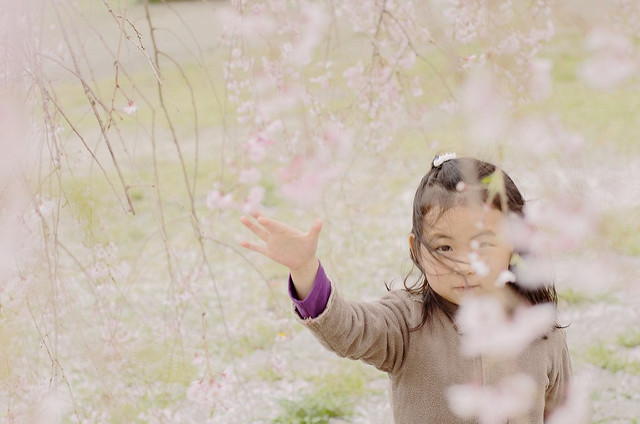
(92, 101)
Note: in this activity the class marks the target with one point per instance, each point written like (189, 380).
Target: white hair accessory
(442, 158)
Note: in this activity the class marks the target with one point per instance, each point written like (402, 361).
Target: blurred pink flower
(354, 75)
(253, 27)
(533, 271)
(485, 108)
(611, 61)
(313, 20)
(249, 176)
(416, 87)
(468, 19)
(337, 139)
(217, 199)
(130, 108)
(306, 179)
(575, 409)
(505, 277)
(540, 81)
(509, 399)
(472, 61)
(534, 135)
(479, 266)
(203, 392)
(278, 363)
(50, 410)
(487, 330)
(308, 187)
(257, 148)
(563, 222)
(253, 200)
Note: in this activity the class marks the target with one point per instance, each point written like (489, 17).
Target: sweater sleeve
(376, 333)
(560, 374)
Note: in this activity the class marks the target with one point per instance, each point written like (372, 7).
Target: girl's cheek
(433, 269)
(439, 270)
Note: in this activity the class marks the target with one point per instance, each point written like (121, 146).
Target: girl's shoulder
(408, 304)
(557, 338)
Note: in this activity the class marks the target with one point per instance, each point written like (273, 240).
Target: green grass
(333, 396)
(630, 339)
(578, 298)
(574, 297)
(621, 229)
(611, 358)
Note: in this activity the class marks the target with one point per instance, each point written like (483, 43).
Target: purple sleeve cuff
(315, 302)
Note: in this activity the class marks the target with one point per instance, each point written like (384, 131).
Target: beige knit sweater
(421, 364)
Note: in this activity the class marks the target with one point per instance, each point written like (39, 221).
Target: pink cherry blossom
(534, 270)
(468, 20)
(51, 409)
(130, 108)
(563, 222)
(305, 179)
(337, 139)
(488, 330)
(505, 277)
(256, 147)
(217, 199)
(309, 186)
(575, 409)
(203, 392)
(484, 106)
(511, 398)
(479, 266)
(540, 81)
(313, 20)
(253, 200)
(251, 26)
(611, 61)
(249, 176)
(521, 233)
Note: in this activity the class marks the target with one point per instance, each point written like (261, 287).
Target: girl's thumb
(316, 227)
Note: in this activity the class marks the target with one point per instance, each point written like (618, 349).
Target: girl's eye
(479, 245)
(443, 249)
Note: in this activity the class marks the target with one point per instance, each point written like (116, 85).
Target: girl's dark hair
(456, 182)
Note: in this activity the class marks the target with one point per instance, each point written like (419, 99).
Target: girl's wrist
(304, 277)
(311, 266)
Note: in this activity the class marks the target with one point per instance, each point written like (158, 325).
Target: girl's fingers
(273, 225)
(255, 247)
(256, 228)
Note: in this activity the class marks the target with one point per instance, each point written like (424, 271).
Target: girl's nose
(463, 266)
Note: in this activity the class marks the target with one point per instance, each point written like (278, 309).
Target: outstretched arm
(376, 333)
(288, 246)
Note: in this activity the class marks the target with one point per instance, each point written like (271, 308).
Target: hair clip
(442, 158)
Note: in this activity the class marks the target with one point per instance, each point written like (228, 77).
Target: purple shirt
(315, 302)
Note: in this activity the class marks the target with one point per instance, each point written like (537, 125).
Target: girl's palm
(283, 244)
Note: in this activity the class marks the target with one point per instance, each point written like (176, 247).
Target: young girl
(458, 243)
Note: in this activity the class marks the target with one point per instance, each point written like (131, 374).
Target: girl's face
(471, 249)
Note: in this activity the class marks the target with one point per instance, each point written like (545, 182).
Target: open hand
(283, 244)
